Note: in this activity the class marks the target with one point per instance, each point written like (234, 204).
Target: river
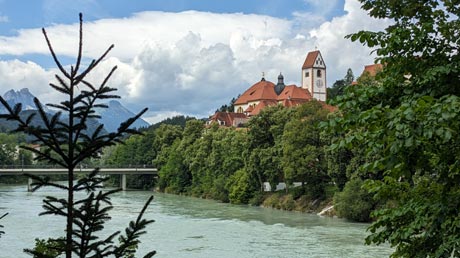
(191, 227)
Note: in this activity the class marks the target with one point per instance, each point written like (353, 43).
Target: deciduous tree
(407, 126)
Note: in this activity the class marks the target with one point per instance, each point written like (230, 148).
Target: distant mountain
(111, 117)
(26, 98)
(115, 114)
(22, 96)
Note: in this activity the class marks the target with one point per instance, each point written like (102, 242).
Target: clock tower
(314, 75)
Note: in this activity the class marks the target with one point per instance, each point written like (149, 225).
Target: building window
(318, 73)
(307, 74)
(239, 110)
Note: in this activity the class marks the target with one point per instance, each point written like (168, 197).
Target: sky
(181, 57)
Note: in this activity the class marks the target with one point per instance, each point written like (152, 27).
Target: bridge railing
(80, 166)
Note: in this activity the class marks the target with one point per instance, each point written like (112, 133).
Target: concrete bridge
(20, 171)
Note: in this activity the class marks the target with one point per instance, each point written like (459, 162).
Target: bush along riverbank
(286, 201)
(300, 200)
(293, 200)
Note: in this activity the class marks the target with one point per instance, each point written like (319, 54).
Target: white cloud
(193, 62)
(4, 18)
(156, 117)
(132, 34)
(339, 53)
(15, 74)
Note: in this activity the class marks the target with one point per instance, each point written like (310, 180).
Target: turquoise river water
(191, 227)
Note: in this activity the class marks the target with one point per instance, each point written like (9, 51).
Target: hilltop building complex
(265, 93)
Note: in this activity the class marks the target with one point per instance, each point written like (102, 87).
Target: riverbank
(304, 203)
(293, 200)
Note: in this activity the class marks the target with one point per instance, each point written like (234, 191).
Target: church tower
(314, 75)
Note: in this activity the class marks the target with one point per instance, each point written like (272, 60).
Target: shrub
(288, 203)
(257, 199)
(354, 202)
(239, 188)
(273, 201)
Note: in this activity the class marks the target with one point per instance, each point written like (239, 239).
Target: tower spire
(280, 86)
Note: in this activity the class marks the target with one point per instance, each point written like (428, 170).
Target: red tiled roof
(294, 93)
(292, 103)
(259, 91)
(310, 60)
(227, 117)
(262, 104)
(372, 69)
(328, 107)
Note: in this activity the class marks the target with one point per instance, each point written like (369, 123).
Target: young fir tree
(1, 226)
(66, 142)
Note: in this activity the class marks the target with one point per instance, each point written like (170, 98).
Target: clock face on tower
(319, 83)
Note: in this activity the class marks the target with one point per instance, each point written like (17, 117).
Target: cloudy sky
(184, 56)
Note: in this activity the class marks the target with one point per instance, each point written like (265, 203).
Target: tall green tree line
(231, 165)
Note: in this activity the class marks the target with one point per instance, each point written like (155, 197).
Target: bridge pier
(29, 184)
(123, 182)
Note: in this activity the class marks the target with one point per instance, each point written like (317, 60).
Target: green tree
(196, 158)
(265, 133)
(165, 136)
(338, 88)
(174, 175)
(175, 120)
(10, 154)
(407, 127)
(240, 187)
(354, 202)
(66, 142)
(303, 149)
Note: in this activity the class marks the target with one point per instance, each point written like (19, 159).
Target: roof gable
(295, 93)
(227, 118)
(314, 59)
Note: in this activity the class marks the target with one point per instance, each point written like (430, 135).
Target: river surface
(191, 227)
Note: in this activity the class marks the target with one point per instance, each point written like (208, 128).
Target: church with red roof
(265, 93)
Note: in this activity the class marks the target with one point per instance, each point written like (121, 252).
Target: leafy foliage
(303, 153)
(354, 202)
(50, 248)
(231, 164)
(9, 155)
(338, 88)
(66, 143)
(402, 129)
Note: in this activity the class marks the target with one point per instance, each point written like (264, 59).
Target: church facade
(265, 93)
